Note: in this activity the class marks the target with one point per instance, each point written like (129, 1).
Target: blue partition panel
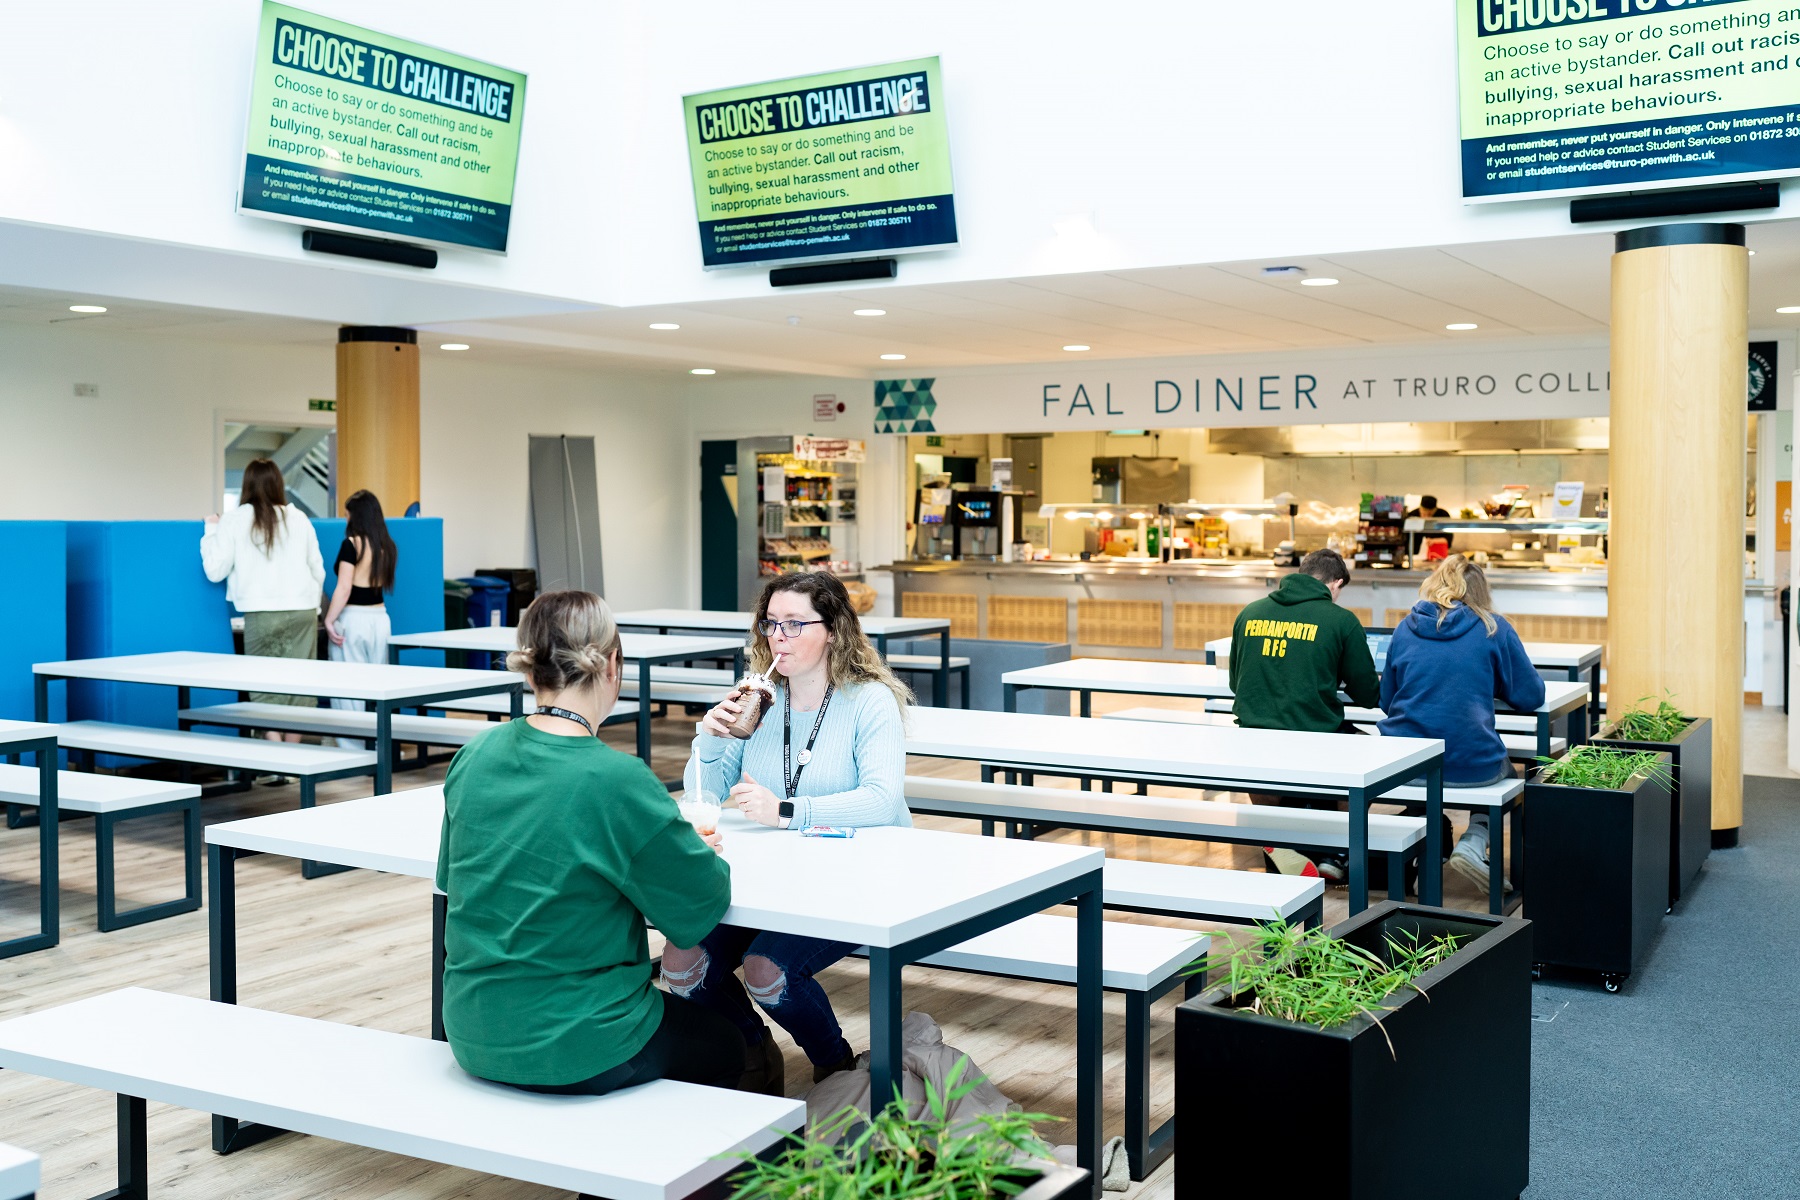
(416, 603)
(35, 553)
(136, 587)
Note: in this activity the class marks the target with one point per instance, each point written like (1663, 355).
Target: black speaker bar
(1638, 206)
(325, 241)
(838, 272)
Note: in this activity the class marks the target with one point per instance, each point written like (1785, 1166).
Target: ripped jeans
(778, 967)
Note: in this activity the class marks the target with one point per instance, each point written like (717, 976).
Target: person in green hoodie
(555, 851)
(1292, 652)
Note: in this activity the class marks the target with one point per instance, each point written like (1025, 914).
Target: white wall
(1187, 133)
(145, 448)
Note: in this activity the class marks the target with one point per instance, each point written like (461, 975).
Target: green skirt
(292, 634)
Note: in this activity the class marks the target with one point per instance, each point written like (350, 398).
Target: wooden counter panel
(1028, 618)
(1119, 623)
(963, 610)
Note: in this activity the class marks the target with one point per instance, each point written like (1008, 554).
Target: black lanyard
(566, 715)
(787, 739)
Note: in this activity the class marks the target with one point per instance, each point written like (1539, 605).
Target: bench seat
(1212, 893)
(111, 799)
(933, 664)
(1519, 746)
(18, 1173)
(336, 722)
(387, 1091)
(1200, 820)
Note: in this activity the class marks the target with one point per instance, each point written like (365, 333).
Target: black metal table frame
(1085, 891)
(384, 711)
(44, 747)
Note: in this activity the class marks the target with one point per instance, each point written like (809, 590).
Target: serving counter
(1138, 609)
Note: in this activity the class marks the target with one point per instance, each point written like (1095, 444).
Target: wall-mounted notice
(1561, 97)
(822, 166)
(362, 131)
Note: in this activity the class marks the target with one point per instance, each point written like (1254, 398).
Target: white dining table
(38, 738)
(647, 650)
(878, 630)
(902, 893)
(383, 686)
(1224, 757)
(1138, 677)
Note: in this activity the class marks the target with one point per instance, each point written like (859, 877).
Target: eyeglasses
(791, 629)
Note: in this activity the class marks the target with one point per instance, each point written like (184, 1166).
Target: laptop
(1379, 640)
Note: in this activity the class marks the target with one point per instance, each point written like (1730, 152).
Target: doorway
(306, 455)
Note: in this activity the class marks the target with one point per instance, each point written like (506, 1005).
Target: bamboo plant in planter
(1688, 742)
(1415, 1022)
(933, 1156)
(1597, 859)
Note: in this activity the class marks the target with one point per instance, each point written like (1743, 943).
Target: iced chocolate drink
(756, 693)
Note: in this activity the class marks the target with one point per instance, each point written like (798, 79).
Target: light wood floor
(355, 948)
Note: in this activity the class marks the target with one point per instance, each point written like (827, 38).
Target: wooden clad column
(1675, 591)
(378, 414)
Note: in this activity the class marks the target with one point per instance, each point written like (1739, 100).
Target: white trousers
(365, 629)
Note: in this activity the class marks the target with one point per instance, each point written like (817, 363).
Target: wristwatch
(785, 810)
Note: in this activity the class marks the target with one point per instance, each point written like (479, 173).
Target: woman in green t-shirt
(556, 849)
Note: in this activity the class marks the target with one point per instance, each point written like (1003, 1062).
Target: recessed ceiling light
(664, 325)
(1460, 326)
(702, 371)
(1321, 281)
(893, 357)
(87, 308)
(1792, 308)
(1077, 346)
(454, 346)
(869, 312)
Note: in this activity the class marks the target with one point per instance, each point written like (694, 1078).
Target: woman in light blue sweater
(830, 751)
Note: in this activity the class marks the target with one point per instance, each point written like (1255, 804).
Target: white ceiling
(1552, 287)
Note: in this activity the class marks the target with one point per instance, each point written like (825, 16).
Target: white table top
(1270, 756)
(1561, 655)
(1127, 675)
(882, 887)
(18, 1172)
(287, 676)
(388, 1091)
(739, 622)
(500, 639)
(26, 731)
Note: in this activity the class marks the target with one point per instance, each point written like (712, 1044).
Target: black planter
(1459, 1073)
(1690, 822)
(1596, 874)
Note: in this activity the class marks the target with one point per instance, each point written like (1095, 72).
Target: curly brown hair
(852, 658)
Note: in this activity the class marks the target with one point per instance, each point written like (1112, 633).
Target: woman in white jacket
(268, 555)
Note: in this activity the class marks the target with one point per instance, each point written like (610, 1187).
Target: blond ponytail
(566, 640)
(1459, 581)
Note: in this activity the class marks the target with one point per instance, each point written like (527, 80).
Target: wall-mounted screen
(823, 166)
(357, 130)
(1564, 97)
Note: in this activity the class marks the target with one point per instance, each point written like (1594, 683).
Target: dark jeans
(693, 1044)
(796, 1001)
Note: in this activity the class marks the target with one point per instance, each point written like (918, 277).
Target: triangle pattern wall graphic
(904, 406)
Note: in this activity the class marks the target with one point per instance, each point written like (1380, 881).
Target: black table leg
(49, 873)
(229, 1134)
(384, 747)
(1088, 1002)
(1359, 849)
(440, 910)
(1431, 870)
(940, 680)
(643, 729)
(1009, 697)
(885, 1054)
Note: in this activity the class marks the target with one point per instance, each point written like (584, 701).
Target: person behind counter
(554, 852)
(1291, 653)
(833, 741)
(1428, 508)
(1450, 659)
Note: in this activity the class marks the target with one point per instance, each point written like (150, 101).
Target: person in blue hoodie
(1450, 659)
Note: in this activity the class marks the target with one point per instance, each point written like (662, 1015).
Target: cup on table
(702, 812)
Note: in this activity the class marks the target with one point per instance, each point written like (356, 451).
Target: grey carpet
(1687, 1083)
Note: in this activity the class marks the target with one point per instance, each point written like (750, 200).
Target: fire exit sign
(321, 406)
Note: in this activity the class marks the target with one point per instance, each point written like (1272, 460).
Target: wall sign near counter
(1548, 381)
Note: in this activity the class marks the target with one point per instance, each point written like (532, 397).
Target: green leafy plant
(1601, 767)
(1307, 976)
(1641, 723)
(890, 1156)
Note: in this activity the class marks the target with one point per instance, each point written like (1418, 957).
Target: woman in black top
(357, 621)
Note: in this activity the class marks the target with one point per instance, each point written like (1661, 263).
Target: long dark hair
(851, 658)
(367, 523)
(265, 492)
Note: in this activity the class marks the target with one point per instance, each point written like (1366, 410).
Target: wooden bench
(1024, 805)
(933, 665)
(1142, 962)
(18, 1173)
(311, 765)
(111, 799)
(387, 1091)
